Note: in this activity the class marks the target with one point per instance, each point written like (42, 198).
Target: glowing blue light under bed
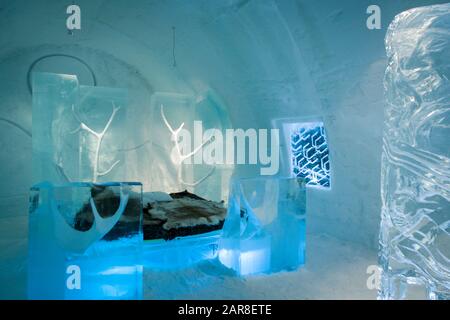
(181, 252)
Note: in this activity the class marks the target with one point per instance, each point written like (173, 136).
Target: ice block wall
(415, 226)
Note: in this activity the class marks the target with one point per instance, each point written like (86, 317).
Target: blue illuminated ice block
(265, 227)
(85, 241)
(181, 252)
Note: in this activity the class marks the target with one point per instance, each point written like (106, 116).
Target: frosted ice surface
(265, 228)
(77, 130)
(415, 227)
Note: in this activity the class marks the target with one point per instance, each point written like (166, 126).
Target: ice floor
(334, 270)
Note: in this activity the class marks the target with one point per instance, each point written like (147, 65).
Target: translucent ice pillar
(78, 131)
(265, 228)
(85, 241)
(415, 227)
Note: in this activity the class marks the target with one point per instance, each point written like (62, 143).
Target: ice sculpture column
(415, 227)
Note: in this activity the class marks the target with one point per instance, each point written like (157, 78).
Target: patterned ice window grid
(310, 159)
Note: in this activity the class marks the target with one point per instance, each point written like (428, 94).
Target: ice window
(309, 153)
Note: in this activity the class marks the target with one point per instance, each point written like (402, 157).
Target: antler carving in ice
(99, 135)
(182, 157)
(79, 241)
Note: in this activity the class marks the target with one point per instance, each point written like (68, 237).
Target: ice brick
(85, 241)
(265, 228)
